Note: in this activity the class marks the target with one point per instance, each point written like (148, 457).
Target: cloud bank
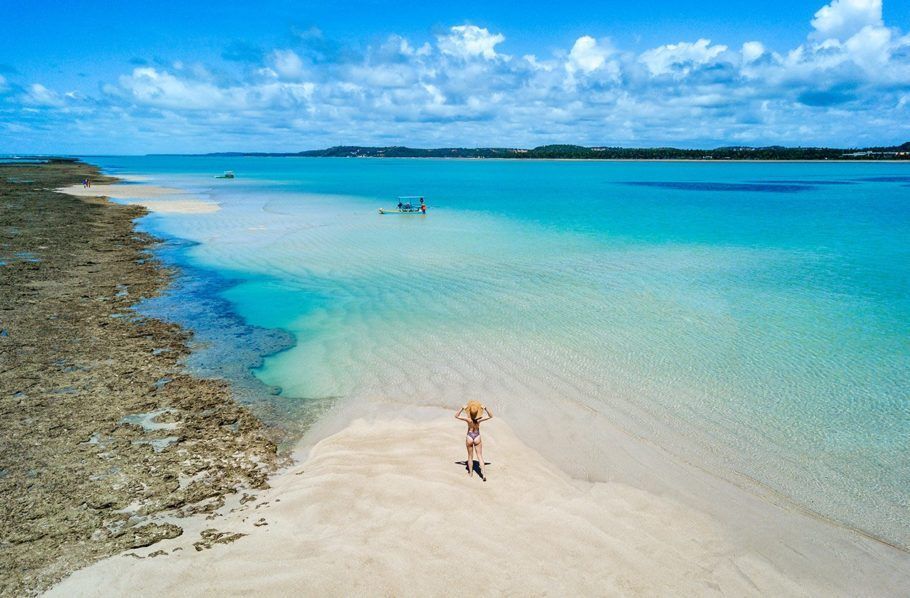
(847, 84)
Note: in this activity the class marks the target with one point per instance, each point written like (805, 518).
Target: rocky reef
(106, 439)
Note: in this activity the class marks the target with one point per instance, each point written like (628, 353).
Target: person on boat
(400, 205)
(475, 414)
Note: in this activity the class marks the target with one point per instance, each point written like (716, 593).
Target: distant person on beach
(474, 411)
(84, 183)
(423, 206)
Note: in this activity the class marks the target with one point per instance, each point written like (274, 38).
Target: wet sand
(152, 197)
(106, 442)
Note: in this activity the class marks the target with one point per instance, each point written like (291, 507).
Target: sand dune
(152, 197)
(381, 508)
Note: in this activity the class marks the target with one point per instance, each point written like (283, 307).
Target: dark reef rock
(94, 444)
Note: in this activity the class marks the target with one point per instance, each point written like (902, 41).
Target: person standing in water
(423, 206)
(475, 414)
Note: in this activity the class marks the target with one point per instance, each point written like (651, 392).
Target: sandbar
(381, 506)
(165, 200)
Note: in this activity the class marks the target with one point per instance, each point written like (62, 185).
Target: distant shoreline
(579, 152)
(904, 158)
(429, 158)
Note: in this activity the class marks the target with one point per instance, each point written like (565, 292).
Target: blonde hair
(474, 410)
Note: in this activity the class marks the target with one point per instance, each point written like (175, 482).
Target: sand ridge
(164, 200)
(382, 508)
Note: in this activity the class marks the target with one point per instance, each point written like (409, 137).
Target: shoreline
(742, 566)
(494, 159)
(379, 504)
(107, 442)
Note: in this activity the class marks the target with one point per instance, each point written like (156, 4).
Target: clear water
(751, 317)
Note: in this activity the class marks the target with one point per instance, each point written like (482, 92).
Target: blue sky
(102, 77)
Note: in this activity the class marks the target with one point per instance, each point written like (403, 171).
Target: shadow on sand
(476, 467)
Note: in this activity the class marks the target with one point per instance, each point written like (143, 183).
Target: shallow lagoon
(751, 317)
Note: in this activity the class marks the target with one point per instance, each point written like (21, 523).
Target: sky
(86, 77)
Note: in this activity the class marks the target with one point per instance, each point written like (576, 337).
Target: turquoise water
(753, 318)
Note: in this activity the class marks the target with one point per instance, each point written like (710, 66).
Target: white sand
(380, 508)
(164, 200)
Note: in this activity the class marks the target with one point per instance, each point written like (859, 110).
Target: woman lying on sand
(475, 413)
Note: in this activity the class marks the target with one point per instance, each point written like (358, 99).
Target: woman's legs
(478, 445)
(470, 463)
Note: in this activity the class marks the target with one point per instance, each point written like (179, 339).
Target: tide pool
(753, 318)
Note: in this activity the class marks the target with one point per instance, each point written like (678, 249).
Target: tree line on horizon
(578, 152)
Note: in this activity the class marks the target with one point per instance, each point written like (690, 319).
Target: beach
(381, 507)
(374, 498)
(666, 248)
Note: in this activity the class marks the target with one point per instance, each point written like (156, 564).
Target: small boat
(406, 207)
(228, 174)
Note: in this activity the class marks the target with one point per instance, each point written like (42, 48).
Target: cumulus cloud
(587, 55)
(287, 64)
(468, 41)
(752, 51)
(843, 18)
(161, 89)
(870, 47)
(679, 59)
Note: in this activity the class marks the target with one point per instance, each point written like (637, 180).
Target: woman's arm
(458, 414)
(489, 415)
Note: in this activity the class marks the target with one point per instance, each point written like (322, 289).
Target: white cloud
(587, 55)
(843, 18)
(679, 59)
(870, 47)
(287, 64)
(468, 41)
(40, 95)
(536, 64)
(752, 51)
(147, 85)
(403, 46)
(150, 87)
(436, 96)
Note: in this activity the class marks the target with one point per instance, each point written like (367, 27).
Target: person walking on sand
(474, 411)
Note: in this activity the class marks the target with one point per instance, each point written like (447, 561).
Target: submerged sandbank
(381, 507)
(152, 197)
